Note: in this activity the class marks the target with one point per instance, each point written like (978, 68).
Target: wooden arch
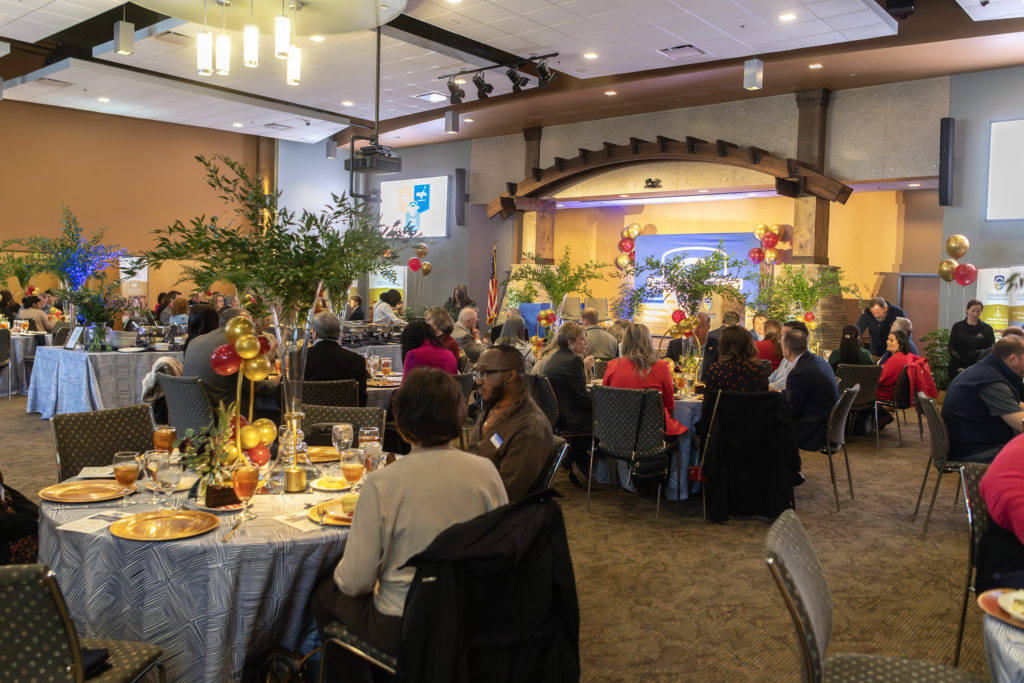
(792, 177)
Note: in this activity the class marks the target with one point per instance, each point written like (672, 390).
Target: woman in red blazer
(899, 345)
(639, 368)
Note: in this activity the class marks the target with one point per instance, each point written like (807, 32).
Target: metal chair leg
(935, 492)
(920, 495)
(956, 496)
(657, 505)
(920, 425)
(876, 426)
(590, 470)
(832, 471)
(963, 612)
(899, 431)
(849, 477)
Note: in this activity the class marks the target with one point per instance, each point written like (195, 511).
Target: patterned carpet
(686, 600)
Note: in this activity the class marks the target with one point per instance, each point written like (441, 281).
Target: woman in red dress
(770, 348)
(899, 345)
(639, 368)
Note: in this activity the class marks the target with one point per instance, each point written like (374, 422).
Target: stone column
(810, 214)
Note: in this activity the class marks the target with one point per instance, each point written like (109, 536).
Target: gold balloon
(812, 325)
(250, 437)
(257, 368)
(776, 229)
(676, 331)
(625, 233)
(421, 250)
(946, 268)
(230, 452)
(622, 261)
(957, 246)
(425, 268)
(247, 346)
(760, 231)
(686, 326)
(771, 256)
(634, 230)
(267, 430)
(237, 327)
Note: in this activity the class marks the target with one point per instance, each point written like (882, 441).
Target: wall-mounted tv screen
(1005, 150)
(419, 203)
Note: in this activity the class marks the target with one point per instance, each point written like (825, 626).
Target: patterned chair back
(91, 439)
(767, 365)
(600, 367)
(977, 509)
(901, 398)
(561, 447)
(188, 406)
(40, 641)
(357, 417)
(342, 392)
(937, 434)
(5, 345)
(794, 565)
(864, 375)
(836, 428)
(628, 420)
(544, 396)
(466, 383)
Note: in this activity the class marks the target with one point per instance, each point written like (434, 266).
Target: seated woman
(420, 346)
(32, 310)
(201, 319)
(770, 346)
(1000, 560)
(19, 527)
(179, 311)
(850, 352)
(737, 367)
(513, 333)
(384, 309)
(639, 368)
(898, 344)
(441, 321)
(400, 511)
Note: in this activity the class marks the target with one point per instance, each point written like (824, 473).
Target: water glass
(341, 436)
(126, 472)
(385, 366)
(168, 476)
(374, 365)
(368, 434)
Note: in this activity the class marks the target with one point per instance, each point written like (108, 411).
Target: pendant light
(251, 40)
(223, 48)
(292, 76)
(282, 34)
(204, 49)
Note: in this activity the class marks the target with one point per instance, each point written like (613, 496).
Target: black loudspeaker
(946, 138)
(460, 197)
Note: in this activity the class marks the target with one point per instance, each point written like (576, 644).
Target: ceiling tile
(515, 25)
(521, 6)
(833, 8)
(853, 20)
(805, 28)
(552, 16)
(484, 12)
(863, 32)
(820, 39)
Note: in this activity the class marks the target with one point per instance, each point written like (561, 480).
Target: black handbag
(648, 470)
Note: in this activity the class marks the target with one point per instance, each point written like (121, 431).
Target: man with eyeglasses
(511, 432)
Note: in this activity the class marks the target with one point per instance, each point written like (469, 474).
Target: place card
(299, 521)
(102, 472)
(94, 523)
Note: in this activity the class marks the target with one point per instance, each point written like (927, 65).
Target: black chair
(188, 406)
(901, 400)
(317, 421)
(558, 452)
(338, 634)
(628, 424)
(977, 521)
(544, 396)
(867, 377)
(600, 366)
(61, 332)
(40, 641)
(467, 383)
(342, 392)
(91, 439)
(835, 432)
(794, 565)
(939, 454)
(5, 356)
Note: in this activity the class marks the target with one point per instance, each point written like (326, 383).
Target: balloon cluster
(769, 237)
(537, 343)
(546, 318)
(812, 324)
(244, 351)
(416, 263)
(683, 326)
(255, 439)
(627, 246)
(949, 269)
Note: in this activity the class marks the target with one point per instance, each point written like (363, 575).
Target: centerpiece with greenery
(98, 308)
(22, 268)
(791, 292)
(558, 279)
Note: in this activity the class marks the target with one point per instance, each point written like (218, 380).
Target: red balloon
(224, 360)
(625, 245)
(770, 240)
(965, 274)
(236, 422)
(808, 316)
(259, 455)
(552, 318)
(687, 335)
(677, 316)
(414, 264)
(264, 344)
(756, 255)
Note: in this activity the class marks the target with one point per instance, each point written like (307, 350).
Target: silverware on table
(233, 530)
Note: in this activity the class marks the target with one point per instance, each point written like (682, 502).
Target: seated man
(511, 431)
(327, 361)
(982, 409)
(600, 344)
(467, 334)
(810, 393)
(402, 508)
(777, 380)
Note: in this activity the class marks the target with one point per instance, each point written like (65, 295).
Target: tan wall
(129, 175)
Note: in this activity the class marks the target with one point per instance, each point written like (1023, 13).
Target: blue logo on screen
(999, 281)
(421, 195)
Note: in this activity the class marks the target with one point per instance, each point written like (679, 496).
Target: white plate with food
(330, 484)
(132, 349)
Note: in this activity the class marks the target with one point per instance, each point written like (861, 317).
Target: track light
(753, 74)
(457, 93)
(483, 88)
(451, 122)
(518, 80)
(124, 37)
(545, 74)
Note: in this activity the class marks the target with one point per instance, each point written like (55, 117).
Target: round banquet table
(209, 605)
(687, 412)
(1004, 648)
(23, 346)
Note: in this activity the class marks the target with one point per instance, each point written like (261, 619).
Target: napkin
(94, 662)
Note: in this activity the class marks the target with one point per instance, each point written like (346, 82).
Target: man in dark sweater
(877, 319)
(982, 409)
(327, 361)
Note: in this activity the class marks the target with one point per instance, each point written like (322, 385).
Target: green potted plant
(936, 350)
(690, 280)
(561, 278)
(97, 309)
(792, 291)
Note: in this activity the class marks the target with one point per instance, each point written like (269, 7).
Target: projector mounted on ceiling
(376, 159)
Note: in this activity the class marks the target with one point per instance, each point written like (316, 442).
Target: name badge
(496, 440)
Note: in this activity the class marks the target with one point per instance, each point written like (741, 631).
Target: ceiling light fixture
(753, 74)
(237, 124)
(788, 16)
(293, 72)
(589, 55)
(545, 74)
(282, 34)
(456, 93)
(814, 66)
(467, 120)
(432, 97)
(103, 99)
(124, 36)
(913, 184)
(451, 122)
(251, 40)
(332, 149)
(204, 49)
(483, 88)
(223, 53)
(518, 80)
(610, 93)
(347, 103)
(317, 39)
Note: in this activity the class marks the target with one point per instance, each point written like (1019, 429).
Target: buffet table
(210, 605)
(66, 381)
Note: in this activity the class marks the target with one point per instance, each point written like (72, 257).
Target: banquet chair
(5, 356)
(835, 436)
(188, 406)
(901, 400)
(41, 643)
(600, 305)
(544, 396)
(794, 565)
(558, 452)
(867, 377)
(91, 439)
(939, 454)
(571, 309)
(341, 392)
(600, 367)
(628, 423)
(61, 332)
(466, 383)
(336, 633)
(977, 519)
(318, 419)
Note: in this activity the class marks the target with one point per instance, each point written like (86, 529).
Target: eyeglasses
(481, 375)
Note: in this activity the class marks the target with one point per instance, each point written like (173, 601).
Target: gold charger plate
(164, 525)
(335, 517)
(85, 491)
(323, 454)
(381, 383)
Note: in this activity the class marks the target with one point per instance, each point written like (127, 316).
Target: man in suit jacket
(468, 335)
(811, 391)
(327, 361)
(700, 343)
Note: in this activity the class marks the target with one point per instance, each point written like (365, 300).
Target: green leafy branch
(793, 290)
(562, 278)
(690, 281)
(23, 268)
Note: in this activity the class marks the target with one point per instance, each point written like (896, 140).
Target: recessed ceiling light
(432, 97)
(454, 2)
(814, 66)
(237, 124)
(788, 16)
(623, 195)
(701, 191)
(460, 81)
(317, 39)
(467, 120)
(589, 55)
(384, 7)
(913, 184)
(610, 92)
(347, 103)
(102, 99)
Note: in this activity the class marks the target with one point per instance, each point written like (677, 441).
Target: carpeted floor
(686, 600)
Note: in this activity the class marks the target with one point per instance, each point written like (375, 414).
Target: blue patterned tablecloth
(66, 381)
(1004, 647)
(22, 346)
(209, 605)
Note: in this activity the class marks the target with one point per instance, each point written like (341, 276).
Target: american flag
(492, 290)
